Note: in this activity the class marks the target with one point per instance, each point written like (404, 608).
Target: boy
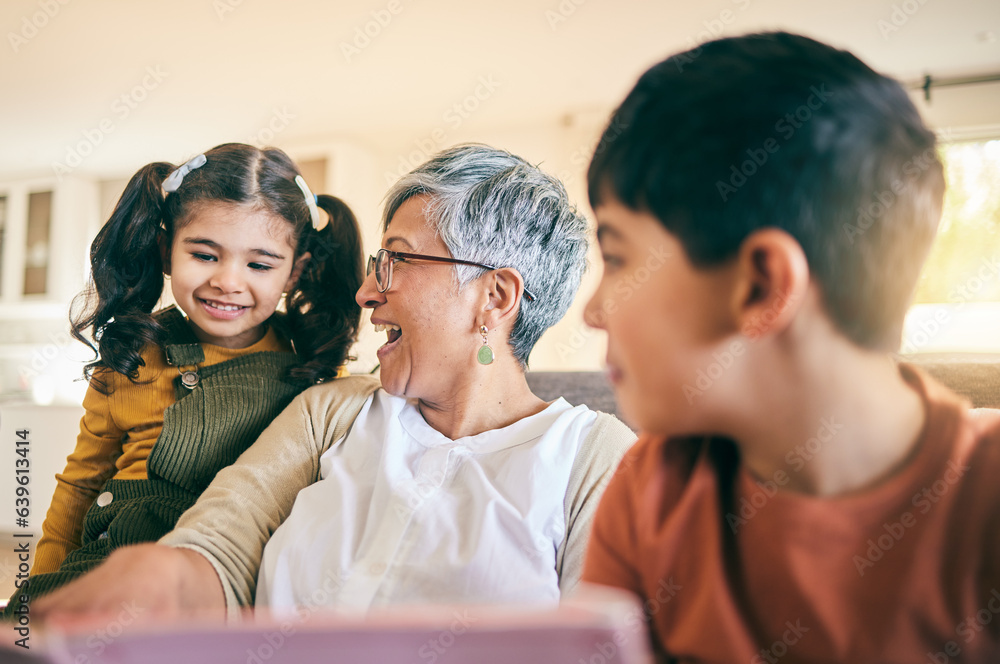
(797, 496)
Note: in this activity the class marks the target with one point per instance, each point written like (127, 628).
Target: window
(314, 172)
(957, 302)
(36, 254)
(3, 228)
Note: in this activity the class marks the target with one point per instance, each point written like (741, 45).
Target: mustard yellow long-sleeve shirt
(117, 433)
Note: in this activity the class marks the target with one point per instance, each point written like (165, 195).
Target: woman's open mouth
(393, 334)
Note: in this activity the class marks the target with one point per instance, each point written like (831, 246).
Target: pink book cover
(595, 626)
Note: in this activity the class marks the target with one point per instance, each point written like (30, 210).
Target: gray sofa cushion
(975, 377)
(578, 387)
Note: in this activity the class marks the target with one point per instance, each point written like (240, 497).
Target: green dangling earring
(485, 355)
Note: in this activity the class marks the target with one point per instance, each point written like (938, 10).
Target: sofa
(975, 377)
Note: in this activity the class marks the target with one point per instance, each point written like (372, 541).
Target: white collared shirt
(402, 514)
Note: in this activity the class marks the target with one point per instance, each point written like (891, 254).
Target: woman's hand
(146, 582)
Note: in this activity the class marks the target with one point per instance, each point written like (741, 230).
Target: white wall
(562, 148)
(359, 173)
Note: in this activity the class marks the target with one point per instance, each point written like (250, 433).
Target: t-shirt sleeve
(991, 583)
(989, 421)
(612, 556)
(89, 466)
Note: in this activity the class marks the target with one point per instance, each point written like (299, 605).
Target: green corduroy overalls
(204, 431)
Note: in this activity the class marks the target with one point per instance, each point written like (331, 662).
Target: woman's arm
(150, 581)
(594, 466)
(215, 550)
(246, 502)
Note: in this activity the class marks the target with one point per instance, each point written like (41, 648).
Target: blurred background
(360, 92)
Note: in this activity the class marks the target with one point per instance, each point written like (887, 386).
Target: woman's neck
(495, 396)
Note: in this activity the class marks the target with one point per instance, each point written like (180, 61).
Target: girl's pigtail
(323, 315)
(126, 279)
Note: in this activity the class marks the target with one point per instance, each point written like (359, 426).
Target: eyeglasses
(381, 264)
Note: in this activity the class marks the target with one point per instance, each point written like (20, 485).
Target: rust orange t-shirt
(731, 569)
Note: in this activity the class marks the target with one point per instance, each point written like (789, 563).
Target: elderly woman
(451, 482)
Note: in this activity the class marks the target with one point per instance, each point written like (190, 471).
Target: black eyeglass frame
(393, 256)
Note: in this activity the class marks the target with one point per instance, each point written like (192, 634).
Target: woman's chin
(393, 392)
(392, 382)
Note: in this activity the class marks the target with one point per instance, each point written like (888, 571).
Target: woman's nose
(368, 295)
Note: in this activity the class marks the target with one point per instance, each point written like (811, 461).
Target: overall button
(104, 499)
(103, 535)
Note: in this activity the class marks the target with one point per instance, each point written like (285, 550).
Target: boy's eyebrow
(215, 245)
(607, 231)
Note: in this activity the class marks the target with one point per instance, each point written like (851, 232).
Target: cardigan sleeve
(611, 556)
(247, 501)
(593, 468)
(89, 466)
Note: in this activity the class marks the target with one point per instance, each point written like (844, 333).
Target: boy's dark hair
(127, 268)
(778, 130)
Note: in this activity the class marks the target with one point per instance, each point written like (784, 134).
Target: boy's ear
(505, 289)
(300, 264)
(772, 279)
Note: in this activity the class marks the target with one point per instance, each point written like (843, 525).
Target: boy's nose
(592, 314)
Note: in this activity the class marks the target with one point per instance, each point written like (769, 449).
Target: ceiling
(105, 85)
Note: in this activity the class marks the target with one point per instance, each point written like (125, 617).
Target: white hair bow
(318, 221)
(173, 181)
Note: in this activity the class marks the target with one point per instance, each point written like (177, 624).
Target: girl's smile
(222, 310)
(229, 265)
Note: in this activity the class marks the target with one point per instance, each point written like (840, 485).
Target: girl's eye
(261, 267)
(203, 257)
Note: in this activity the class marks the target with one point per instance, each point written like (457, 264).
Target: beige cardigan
(246, 502)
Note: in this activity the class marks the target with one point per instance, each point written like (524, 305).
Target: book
(596, 626)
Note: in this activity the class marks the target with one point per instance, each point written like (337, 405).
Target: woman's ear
(505, 291)
(297, 268)
(772, 279)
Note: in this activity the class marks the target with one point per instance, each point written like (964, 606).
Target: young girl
(174, 399)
